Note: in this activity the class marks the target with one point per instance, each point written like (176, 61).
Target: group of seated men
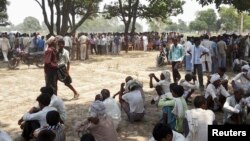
(177, 121)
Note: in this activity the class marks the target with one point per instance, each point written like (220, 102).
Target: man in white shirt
(36, 118)
(164, 82)
(64, 66)
(197, 120)
(132, 102)
(55, 102)
(197, 51)
(68, 43)
(83, 40)
(188, 86)
(234, 108)
(163, 132)
(145, 42)
(188, 65)
(112, 108)
(215, 93)
(207, 58)
(241, 80)
(5, 47)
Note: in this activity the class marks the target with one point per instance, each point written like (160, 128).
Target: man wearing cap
(242, 79)
(162, 85)
(98, 124)
(215, 93)
(234, 108)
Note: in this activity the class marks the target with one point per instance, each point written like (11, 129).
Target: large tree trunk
(134, 12)
(65, 15)
(58, 16)
(45, 17)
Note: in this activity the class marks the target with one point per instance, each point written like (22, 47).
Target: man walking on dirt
(64, 65)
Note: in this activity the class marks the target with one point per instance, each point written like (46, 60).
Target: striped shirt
(59, 131)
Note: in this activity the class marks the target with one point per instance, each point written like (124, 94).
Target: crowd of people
(177, 121)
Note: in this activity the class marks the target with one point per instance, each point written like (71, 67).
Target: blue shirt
(176, 53)
(40, 43)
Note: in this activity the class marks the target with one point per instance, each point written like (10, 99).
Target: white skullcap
(245, 67)
(166, 75)
(214, 78)
(97, 109)
(50, 40)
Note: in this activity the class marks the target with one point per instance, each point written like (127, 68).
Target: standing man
(68, 43)
(50, 65)
(64, 65)
(5, 47)
(222, 48)
(74, 50)
(207, 58)
(197, 51)
(176, 55)
(83, 40)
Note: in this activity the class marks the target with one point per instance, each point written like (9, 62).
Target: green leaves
(31, 24)
(241, 5)
(229, 18)
(3, 13)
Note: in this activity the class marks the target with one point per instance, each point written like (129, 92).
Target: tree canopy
(209, 17)
(241, 5)
(129, 10)
(31, 24)
(3, 13)
(198, 25)
(229, 18)
(67, 15)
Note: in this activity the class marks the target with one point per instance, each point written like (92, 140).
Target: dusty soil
(19, 89)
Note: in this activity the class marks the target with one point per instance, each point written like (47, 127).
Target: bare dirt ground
(19, 89)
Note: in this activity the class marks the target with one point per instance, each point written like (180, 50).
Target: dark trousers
(131, 116)
(29, 128)
(176, 74)
(51, 80)
(198, 68)
(99, 49)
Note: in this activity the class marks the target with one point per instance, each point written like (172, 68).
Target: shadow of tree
(3, 64)
(127, 131)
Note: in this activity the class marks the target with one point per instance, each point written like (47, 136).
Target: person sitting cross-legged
(177, 108)
(215, 93)
(99, 124)
(234, 108)
(111, 107)
(161, 86)
(188, 86)
(53, 119)
(36, 118)
(132, 102)
(55, 102)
